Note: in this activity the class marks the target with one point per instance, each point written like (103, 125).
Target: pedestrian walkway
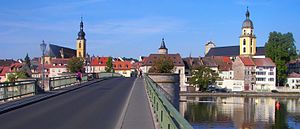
(138, 114)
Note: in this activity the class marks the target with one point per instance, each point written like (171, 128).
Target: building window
(271, 79)
(244, 50)
(79, 45)
(251, 32)
(80, 54)
(260, 79)
(260, 73)
(244, 42)
(251, 49)
(271, 73)
(244, 32)
(293, 81)
(251, 42)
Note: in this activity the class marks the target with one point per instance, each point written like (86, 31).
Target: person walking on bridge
(79, 76)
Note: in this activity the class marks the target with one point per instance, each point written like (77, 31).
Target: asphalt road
(97, 106)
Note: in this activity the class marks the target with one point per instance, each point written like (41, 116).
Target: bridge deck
(96, 105)
(138, 114)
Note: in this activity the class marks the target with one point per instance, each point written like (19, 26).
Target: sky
(133, 28)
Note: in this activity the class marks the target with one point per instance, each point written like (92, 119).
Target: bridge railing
(12, 90)
(166, 113)
(65, 81)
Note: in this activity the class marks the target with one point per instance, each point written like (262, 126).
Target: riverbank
(243, 94)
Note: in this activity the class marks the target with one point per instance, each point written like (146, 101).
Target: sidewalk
(138, 114)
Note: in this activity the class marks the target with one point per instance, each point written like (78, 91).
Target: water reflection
(241, 112)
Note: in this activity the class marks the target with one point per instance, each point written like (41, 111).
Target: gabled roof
(294, 75)
(176, 58)
(247, 61)
(209, 62)
(192, 62)
(55, 51)
(263, 62)
(231, 51)
(224, 62)
(99, 61)
(122, 65)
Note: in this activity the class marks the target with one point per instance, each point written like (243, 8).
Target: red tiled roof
(224, 63)
(247, 61)
(99, 61)
(4, 70)
(16, 65)
(122, 65)
(60, 60)
(294, 75)
(263, 62)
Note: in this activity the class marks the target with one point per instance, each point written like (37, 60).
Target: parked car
(274, 91)
(214, 89)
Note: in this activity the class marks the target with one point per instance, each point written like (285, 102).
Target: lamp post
(43, 49)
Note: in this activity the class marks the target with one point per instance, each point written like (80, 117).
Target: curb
(5, 110)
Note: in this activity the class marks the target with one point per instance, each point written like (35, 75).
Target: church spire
(247, 13)
(163, 49)
(81, 24)
(81, 34)
(163, 45)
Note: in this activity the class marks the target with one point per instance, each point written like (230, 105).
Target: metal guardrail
(167, 115)
(12, 90)
(65, 81)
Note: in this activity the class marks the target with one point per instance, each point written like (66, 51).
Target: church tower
(163, 49)
(81, 42)
(247, 38)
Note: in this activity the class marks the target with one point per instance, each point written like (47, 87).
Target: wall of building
(293, 82)
(265, 78)
(56, 72)
(125, 73)
(233, 85)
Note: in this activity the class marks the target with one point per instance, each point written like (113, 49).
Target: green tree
(162, 65)
(109, 65)
(281, 49)
(75, 64)
(12, 77)
(202, 76)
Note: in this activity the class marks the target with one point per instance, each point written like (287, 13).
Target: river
(241, 112)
